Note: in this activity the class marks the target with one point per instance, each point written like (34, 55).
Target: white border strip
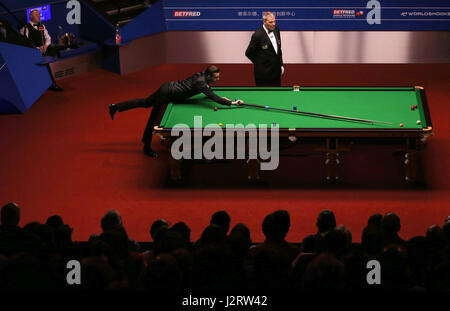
(301, 7)
(297, 19)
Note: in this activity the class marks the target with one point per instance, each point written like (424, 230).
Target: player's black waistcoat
(36, 37)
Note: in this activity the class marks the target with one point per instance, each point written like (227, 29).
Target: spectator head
(93, 237)
(239, 238)
(111, 220)
(391, 223)
(212, 234)
(166, 241)
(417, 253)
(29, 227)
(116, 240)
(395, 269)
(55, 221)
(185, 260)
(222, 219)
(271, 269)
(183, 230)
(63, 236)
(240, 231)
(309, 243)
(333, 241)
(446, 230)
(10, 215)
(276, 225)
(325, 221)
(156, 225)
(347, 234)
(46, 236)
(163, 273)
(324, 272)
(134, 265)
(372, 240)
(375, 219)
(435, 235)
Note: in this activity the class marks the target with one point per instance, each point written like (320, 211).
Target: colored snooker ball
(215, 108)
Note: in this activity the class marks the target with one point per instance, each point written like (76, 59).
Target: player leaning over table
(173, 91)
(264, 50)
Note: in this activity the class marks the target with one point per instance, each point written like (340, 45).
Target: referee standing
(265, 53)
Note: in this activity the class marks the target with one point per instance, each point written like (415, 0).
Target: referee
(173, 91)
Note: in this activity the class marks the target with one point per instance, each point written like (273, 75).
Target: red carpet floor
(65, 156)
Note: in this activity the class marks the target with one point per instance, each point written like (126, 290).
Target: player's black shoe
(112, 110)
(54, 87)
(149, 152)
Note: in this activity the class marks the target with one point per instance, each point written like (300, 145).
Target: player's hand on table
(237, 102)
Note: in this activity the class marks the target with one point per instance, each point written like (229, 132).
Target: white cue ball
(418, 121)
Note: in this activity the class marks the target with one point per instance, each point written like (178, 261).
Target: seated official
(172, 92)
(36, 32)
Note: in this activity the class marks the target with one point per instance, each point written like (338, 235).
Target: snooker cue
(316, 114)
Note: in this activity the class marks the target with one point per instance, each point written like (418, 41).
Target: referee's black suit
(267, 63)
(171, 92)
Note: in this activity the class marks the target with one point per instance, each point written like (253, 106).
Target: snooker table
(406, 128)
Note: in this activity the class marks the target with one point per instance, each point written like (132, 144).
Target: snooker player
(173, 91)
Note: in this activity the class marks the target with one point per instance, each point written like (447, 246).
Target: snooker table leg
(411, 160)
(174, 164)
(175, 169)
(253, 166)
(332, 160)
(165, 142)
(332, 163)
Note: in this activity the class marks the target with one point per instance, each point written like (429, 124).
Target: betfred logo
(344, 12)
(186, 13)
